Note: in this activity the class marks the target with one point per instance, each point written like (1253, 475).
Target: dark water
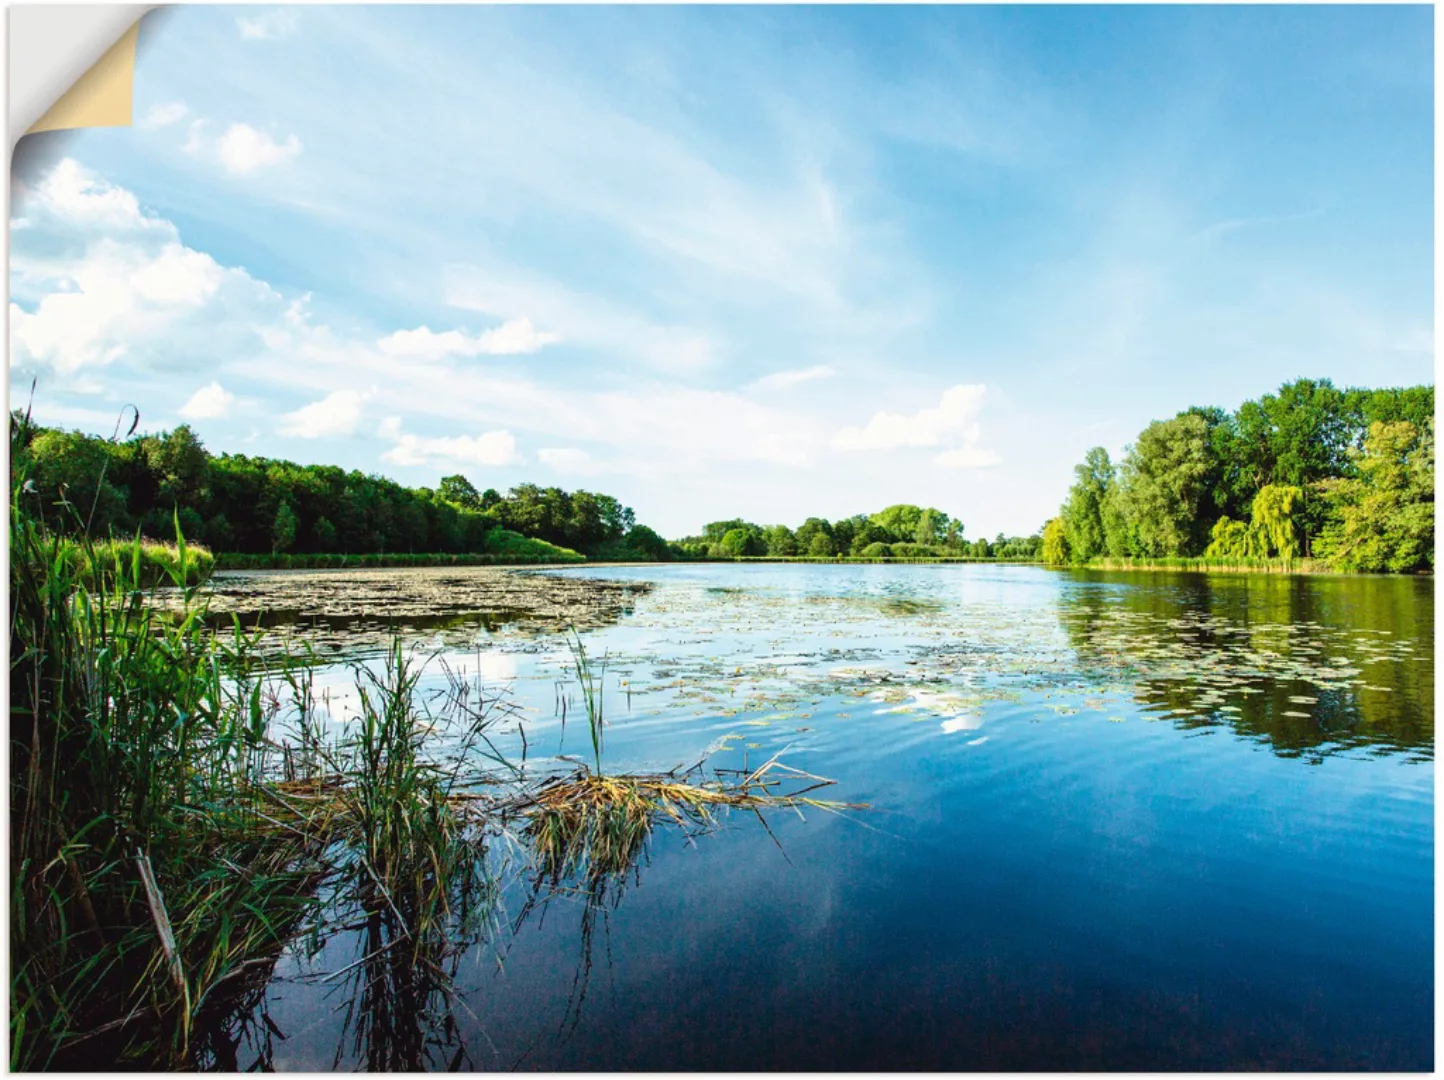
(1120, 822)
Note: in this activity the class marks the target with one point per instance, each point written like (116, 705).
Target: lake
(1117, 821)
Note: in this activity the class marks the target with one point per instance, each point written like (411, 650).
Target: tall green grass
(166, 840)
(530, 553)
(1230, 564)
(150, 562)
(143, 876)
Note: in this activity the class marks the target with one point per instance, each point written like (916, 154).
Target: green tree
(780, 541)
(1231, 539)
(1055, 542)
(1082, 514)
(283, 529)
(809, 530)
(325, 535)
(1275, 523)
(459, 490)
(738, 542)
(820, 546)
(1383, 518)
(1166, 474)
(646, 544)
(76, 480)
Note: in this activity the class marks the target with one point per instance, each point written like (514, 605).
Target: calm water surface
(1120, 822)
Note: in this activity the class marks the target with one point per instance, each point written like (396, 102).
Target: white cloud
(498, 290)
(161, 116)
(267, 26)
(244, 149)
(512, 337)
(94, 278)
(492, 448)
(954, 418)
(336, 414)
(952, 423)
(210, 402)
(783, 380)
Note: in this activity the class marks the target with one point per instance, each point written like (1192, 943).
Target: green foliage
(1274, 520)
(741, 542)
(641, 544)
(1231, 539)
(820, 545)
(283, 530)
(1290, 463)
(780, 540)
(244, 505)
(904, 523)
(1383, 518)
(1166, 473)
(459, 490)
(876, 550)
(1055, 542)
(1082, 513)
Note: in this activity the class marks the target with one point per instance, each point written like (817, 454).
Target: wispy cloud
(268, 25)
(159, 116)
(493, 449)
(784, 380)
(579, 317)
(511, 338)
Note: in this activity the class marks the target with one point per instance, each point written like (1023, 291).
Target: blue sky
(764, 262)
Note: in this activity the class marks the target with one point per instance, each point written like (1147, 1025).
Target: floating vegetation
(595, 827)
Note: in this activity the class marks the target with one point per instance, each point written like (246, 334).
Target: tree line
(1345, 476)
(148, 484)
(899, 531)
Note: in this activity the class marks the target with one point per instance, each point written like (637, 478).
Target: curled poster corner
(71, 66)
(101, 97)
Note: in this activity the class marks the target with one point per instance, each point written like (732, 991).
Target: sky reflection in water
(1121, 821)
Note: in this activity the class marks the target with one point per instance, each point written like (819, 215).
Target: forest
(901, 531)
(1341, 476)
(151, 484)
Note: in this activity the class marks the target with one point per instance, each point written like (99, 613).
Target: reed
(1201, 563)
(179, 812)
(135, 741)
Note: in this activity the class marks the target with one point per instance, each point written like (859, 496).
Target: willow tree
(1275, 519)
(1055, 542)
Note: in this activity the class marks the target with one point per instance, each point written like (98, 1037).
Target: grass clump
(149, 562)
(142, 877)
